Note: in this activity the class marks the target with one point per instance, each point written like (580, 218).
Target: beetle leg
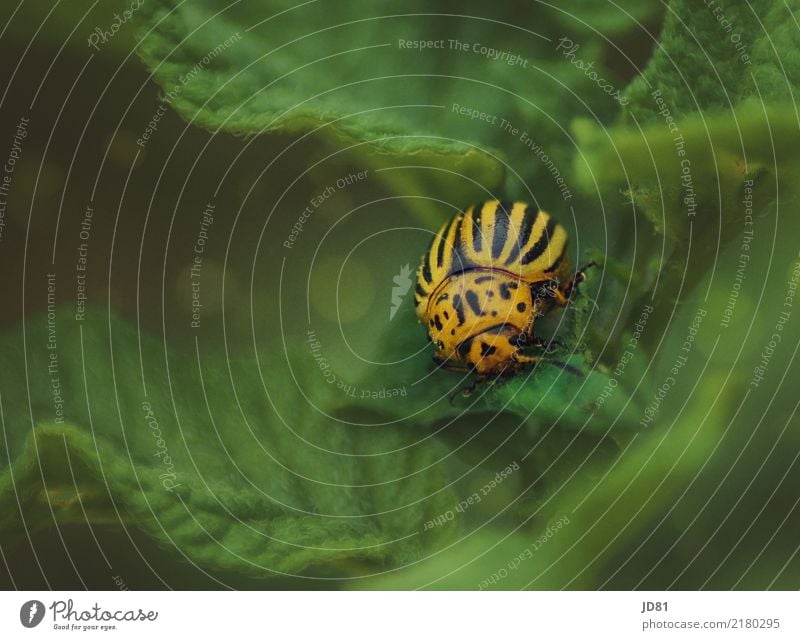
(547, 291)
(549, 346)
(559, 296)
(526, 359)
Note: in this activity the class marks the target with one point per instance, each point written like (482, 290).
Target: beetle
(486, 277)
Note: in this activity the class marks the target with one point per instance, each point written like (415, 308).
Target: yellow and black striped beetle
(486, 277)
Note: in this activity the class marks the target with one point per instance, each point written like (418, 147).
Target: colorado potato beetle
(486, 277)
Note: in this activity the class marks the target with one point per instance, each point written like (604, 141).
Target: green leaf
(695, 177)
(713, 109)
(711, 58)
(229, 472)
(707, 144)
(487, 97)
(610, 19)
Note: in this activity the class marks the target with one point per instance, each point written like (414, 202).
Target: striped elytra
(515, 237)
(486, 276)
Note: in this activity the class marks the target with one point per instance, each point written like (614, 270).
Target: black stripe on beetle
(529, 219)
(477, 230)
(458, 261)
(501, 223)
(541, 244)
(426, 267)
(442, 242)
(557, 262)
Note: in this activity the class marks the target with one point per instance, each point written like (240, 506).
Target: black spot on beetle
(521, 307)
(437, 322)
(446, 315)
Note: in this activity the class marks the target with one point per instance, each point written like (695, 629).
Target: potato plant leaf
(466, 89)
(192, 449)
